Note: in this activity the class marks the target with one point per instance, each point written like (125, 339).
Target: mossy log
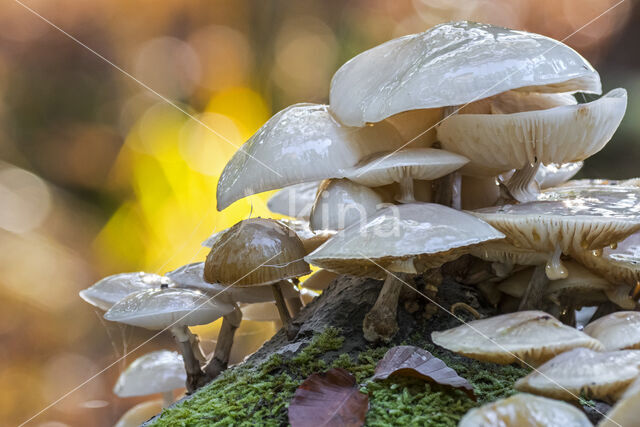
(257, 391)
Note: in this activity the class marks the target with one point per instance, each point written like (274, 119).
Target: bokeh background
(99, 175)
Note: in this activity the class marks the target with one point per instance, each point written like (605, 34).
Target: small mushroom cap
(415, 163)
(302, 143)
(260, 312)
(452, 64)
(340, 203)
(158, 309)
(573, 218)
(579, 280)
(501, 251)
(617, 331)
(320, 280)
(626, 411)
(619, 265)
(294, 201)
(156, 372)
(192, 276)
(140, 413)
(496, 143)
(256, 252)
(553, 174)
(108, 291)
(531, 336)
(426, 233)
(582, 371)
(528, 410)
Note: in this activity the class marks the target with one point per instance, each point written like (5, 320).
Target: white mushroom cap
(319, 280)
(552, 175)
(108, 291)
(423, 234)
(452, 64)
(417, 127)
(140, 413)
(294, 201)
(617, 331)
(627, 410)
(414, 163)
(166, 308)
(260, 312)
(156, 372)
(301, 143)
(192, 276)
(525, 409)
(531, 336)
(496, 143)
(619, 265)
(340, 203)
(581, 371)
(310, 239)
(572, 219)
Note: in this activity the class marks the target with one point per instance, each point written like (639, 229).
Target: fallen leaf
(329, 399)
(410, 361)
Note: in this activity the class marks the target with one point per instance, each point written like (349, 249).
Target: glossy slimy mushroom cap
(158, 309)
(617, 331)
(584, 372)
(302, 143)
(411, 163)
(192, 276)
(496, 143)
(108, 291)
(156, 372)
(626, 411)
(340, 203)
(528, 410)
(256, 252)
(294, 201)
(529, 336)
(619, 265)
(552, 175)
(406, 238)
(568, 220)
(140, 413)
(453, 64)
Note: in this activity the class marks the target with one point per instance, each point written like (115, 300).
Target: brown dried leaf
(410, 361)
(329, 399)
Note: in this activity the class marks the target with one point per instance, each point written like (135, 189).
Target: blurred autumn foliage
(99, 174)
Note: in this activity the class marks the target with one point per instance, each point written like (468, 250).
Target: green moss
(260, 395)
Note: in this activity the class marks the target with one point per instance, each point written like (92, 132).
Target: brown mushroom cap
(530, 336)
(255, 252)
(528, 410)
(582, 371)
(617, 331)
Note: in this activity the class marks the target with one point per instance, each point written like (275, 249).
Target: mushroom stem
(295, 305)
(195, 376)
(220, 359)
(446, 190)
(195, 345)
(535, 290)
(604, 309)
(167, 398)
(291, 330)
(406, 194)
(380, 322)
(555, 269)
(522, 186)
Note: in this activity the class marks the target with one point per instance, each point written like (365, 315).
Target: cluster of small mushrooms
(454, 146)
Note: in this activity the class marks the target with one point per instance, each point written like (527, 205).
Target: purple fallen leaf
(329, 399)
(410, 361)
